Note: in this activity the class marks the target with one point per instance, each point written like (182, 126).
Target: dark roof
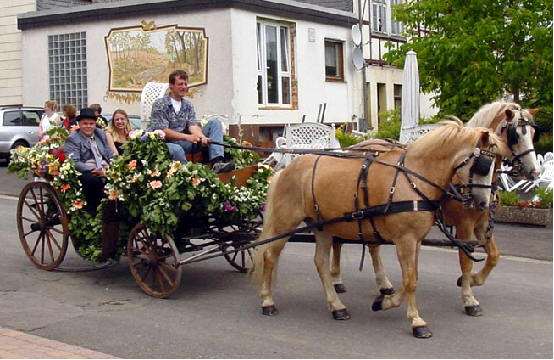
(104, 9)
(344, 5)
(52, 4)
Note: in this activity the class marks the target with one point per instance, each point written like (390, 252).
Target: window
(274, 64)
(12, 118)
(67, 69)
(398, 97)
(334, 60)
(31, 118)
(396, 26)
(379, 16)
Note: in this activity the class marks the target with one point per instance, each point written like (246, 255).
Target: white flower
(136, 134)
(160, 133)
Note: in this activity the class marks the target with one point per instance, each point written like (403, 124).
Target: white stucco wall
(232, 67)
(212, 97)
(343, 98)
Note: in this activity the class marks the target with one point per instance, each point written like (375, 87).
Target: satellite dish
(358, 58)
(356, 35)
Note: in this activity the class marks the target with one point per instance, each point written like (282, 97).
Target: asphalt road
(215, 312)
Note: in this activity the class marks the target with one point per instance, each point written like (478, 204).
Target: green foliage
(347, 139)
(545, 197)
(477, 50)
(544, 144)
(508, 198)
(241, 158)
(389, 126)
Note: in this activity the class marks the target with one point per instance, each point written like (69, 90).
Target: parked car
(18, 127)
(133, 119)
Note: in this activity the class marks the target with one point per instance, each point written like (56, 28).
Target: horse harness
(364, 211)
(512, 136)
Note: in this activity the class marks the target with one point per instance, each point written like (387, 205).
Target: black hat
(86, 113)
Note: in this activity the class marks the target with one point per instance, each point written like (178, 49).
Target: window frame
(340, 60)
(261, 50)
(15, 124)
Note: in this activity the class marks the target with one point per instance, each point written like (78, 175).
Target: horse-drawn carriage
(227, 219)
(47, 218)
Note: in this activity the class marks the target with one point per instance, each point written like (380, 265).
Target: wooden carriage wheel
(153, 261)
(42, 225)
(237, 259)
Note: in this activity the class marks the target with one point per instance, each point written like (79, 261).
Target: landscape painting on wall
(139, 54)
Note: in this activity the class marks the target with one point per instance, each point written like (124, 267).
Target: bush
(389, 127)
(544, 144)
(545, 197)
(347, 139)
(508, 198)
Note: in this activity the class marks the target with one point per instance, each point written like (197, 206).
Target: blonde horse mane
(452, 133)
(490, 115)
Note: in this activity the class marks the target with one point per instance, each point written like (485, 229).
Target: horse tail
(257, 269)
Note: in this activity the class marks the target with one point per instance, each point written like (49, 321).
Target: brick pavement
(16, 344)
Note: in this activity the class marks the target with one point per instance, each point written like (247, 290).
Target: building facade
(260, 62)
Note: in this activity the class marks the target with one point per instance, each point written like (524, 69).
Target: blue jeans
(178, 149)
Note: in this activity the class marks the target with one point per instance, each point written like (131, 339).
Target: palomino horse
(503, 118)
(295, 191)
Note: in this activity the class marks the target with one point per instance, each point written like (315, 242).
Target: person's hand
(191, 138)
(205, 140)
(98, 172)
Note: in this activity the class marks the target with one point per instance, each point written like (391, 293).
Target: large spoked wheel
(43, 225)
(153, 261)
(236, 258)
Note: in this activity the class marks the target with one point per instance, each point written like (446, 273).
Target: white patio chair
(149, 94)
(545, 179)
(409, 135)
(303, 136)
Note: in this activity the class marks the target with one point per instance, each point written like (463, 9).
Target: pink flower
(78, 204)
(156, 184)
(132, 165)
(228, 207)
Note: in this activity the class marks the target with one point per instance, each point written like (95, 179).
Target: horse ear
(485, 138)
(533, 111)
(509, 115)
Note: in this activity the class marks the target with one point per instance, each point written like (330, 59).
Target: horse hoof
(341, 314)
(422, 332)
(378, 303)
(388, 291)
(459, 282)
(474, 310)
(340, 288)
(270, 310)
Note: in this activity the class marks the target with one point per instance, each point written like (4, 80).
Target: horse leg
(321, 260)
(270, 259)
(335, 268)
(385, 286)
(471, 305)
(407, 251)
(493, 254)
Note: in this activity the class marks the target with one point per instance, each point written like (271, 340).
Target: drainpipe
(364, 75)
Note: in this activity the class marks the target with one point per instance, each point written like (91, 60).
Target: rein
(370, 212)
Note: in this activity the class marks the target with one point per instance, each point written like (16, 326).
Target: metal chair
(149, 94)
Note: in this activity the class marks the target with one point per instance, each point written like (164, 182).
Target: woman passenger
(118, 131)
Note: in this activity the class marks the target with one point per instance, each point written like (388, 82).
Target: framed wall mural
(139, 54)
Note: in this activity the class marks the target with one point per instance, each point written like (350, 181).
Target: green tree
(474, 51)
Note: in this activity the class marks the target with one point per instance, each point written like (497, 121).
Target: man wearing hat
(88, 147)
